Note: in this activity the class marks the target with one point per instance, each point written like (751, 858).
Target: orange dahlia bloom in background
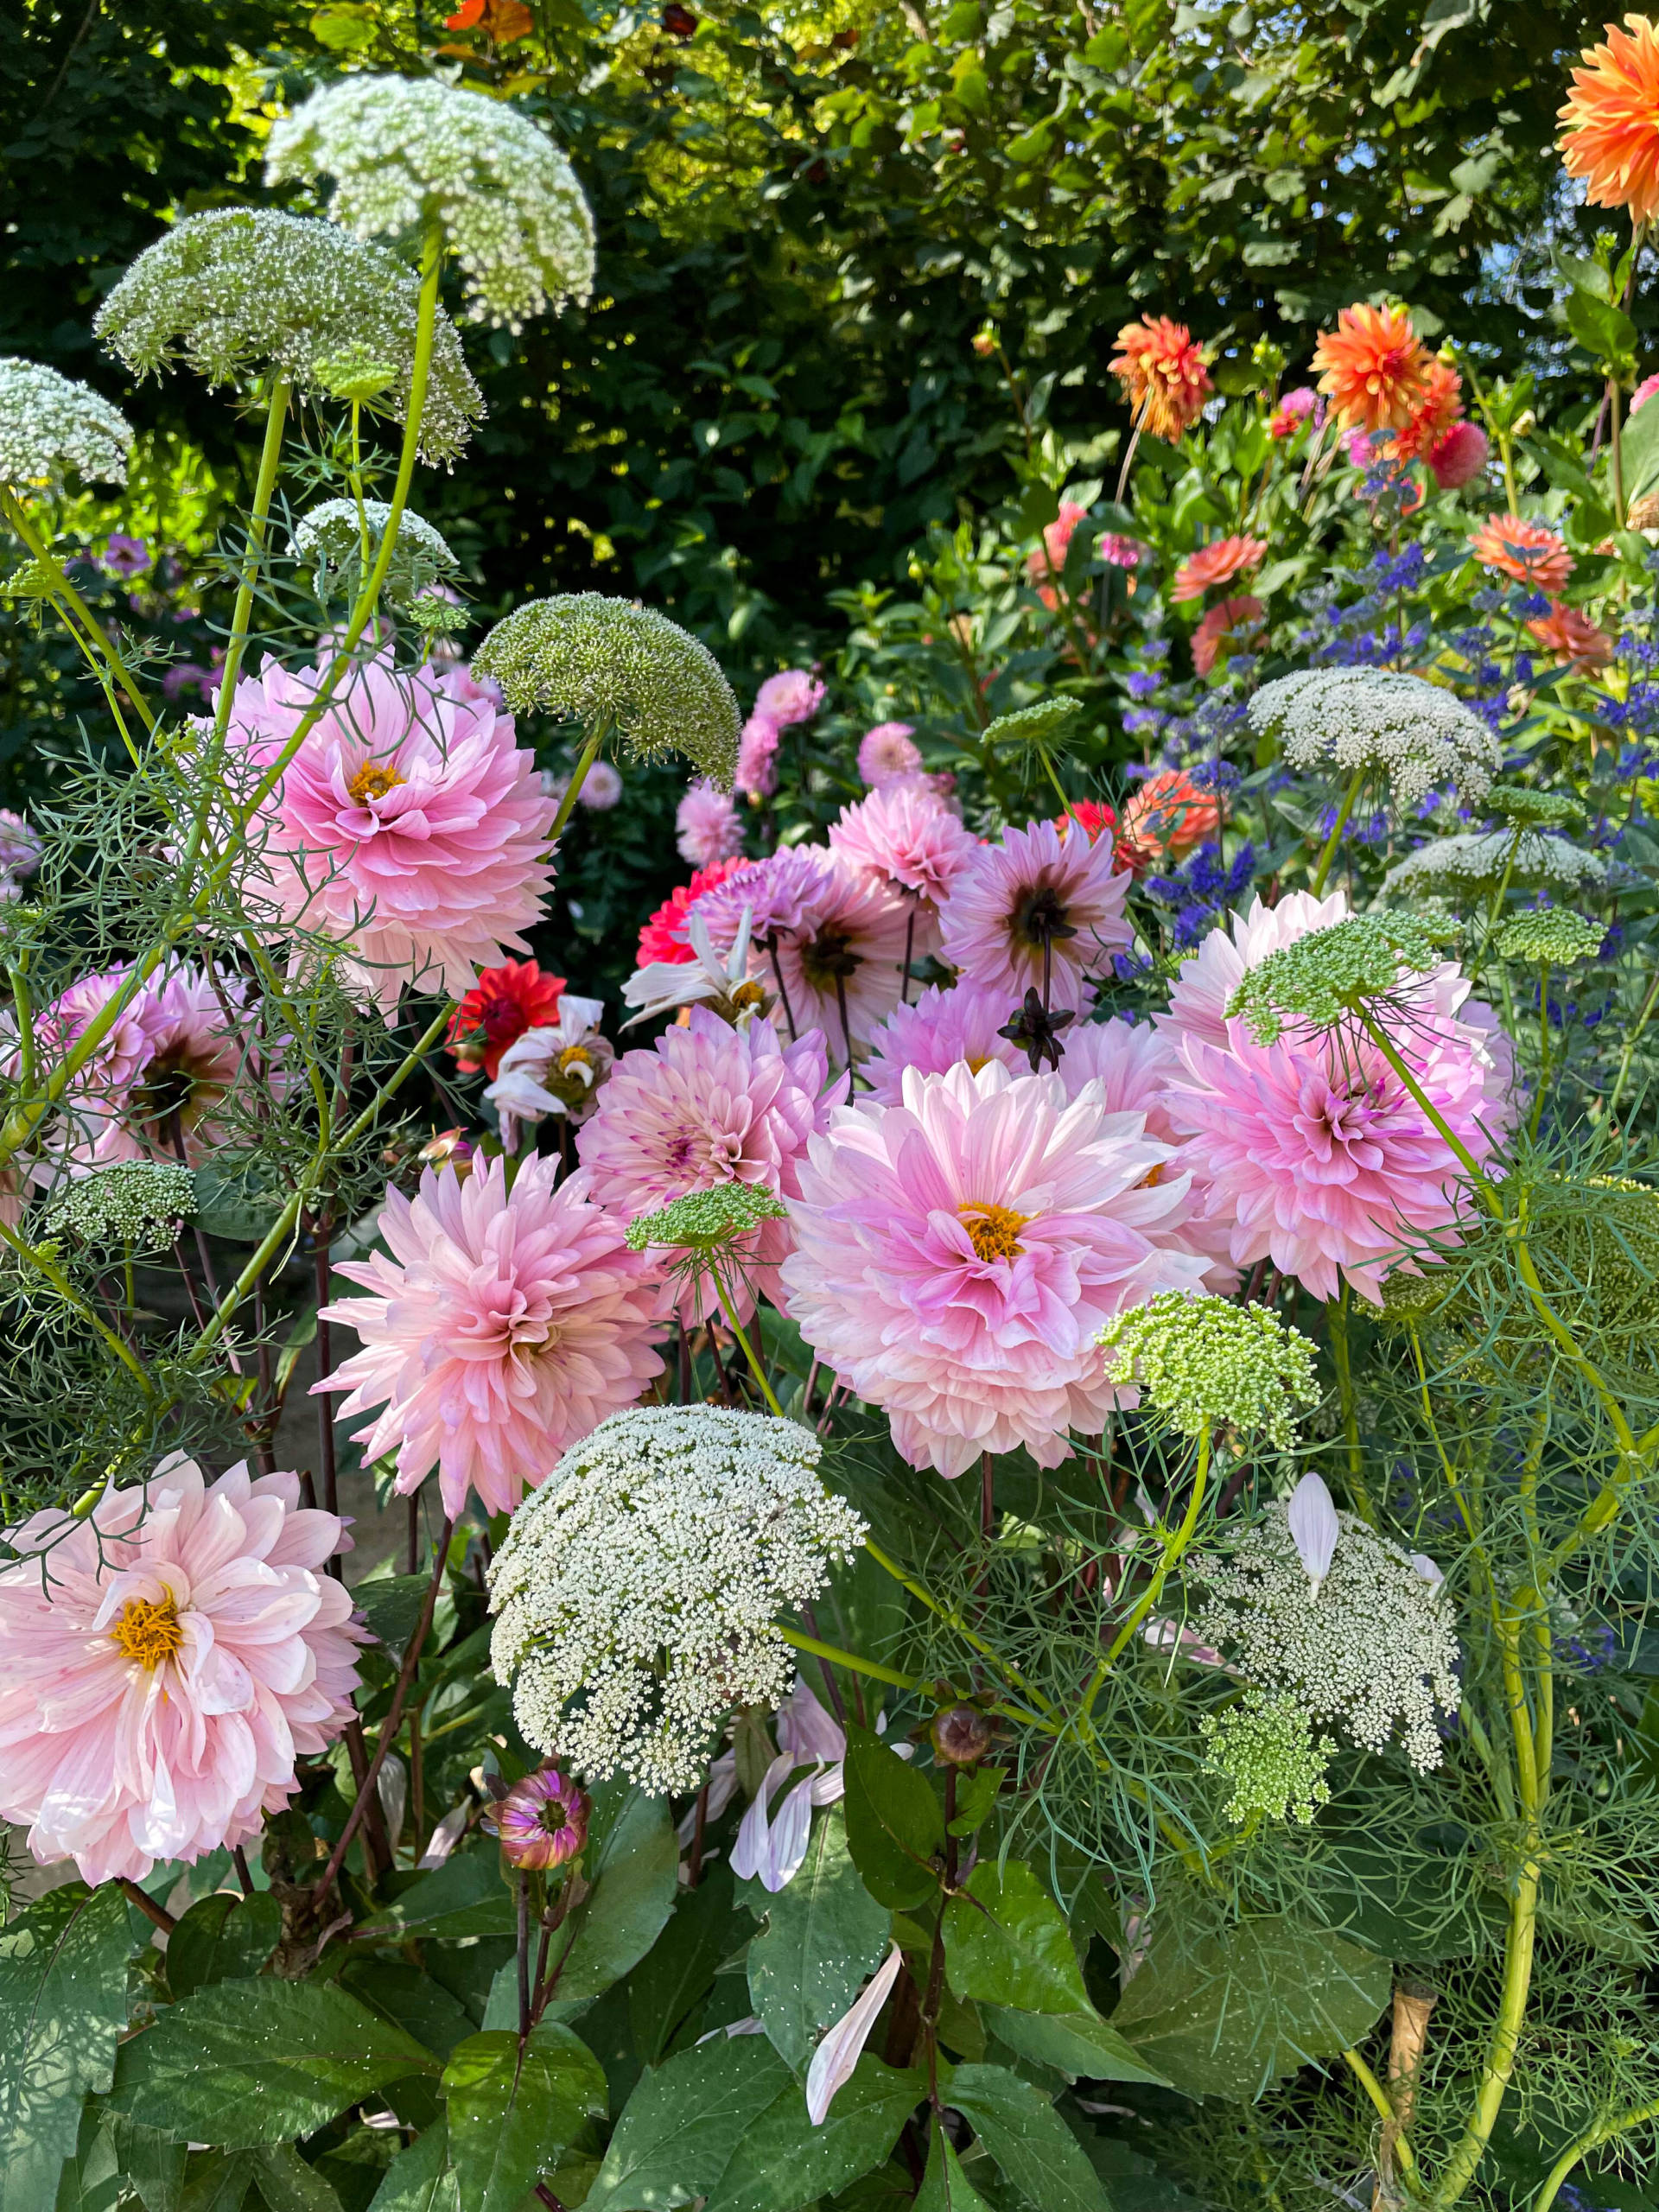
(1374, 368)
(1610, 125)
(1215, 564)
(1438, 408)
(1163, 376)
(1222, 621)
(1166, 817)
(1524, 550)
(1572, 636)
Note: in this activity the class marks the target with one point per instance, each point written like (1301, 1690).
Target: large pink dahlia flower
(163, 1664)
(1198, 997)
(943, 1027)
(409, 828)
(905, 834)
(1038, 910)
(503, 1327)
(957, 1256)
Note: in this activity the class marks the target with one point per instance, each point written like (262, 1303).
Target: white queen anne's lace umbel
(637, 1590)
(328, 539)
(406, 151)
(1371, 1646)
(49, 427)
(1477, 861)
(1418, 737)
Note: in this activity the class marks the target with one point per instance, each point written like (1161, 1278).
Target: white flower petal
(836, 2055)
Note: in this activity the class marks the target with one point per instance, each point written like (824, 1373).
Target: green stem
(1336, 1317)
(1631, 1041)
(253, 556)
(1384, 2106)
(755, 1367)
(65, 1290)
(1459, 2170)
(1336, 829)
(86, 627)
(1592, 2139)
(953, 1619)
(1543, 1048)
(1615, 449)
(1173, 1546)
(854, 1663)
(578, 777)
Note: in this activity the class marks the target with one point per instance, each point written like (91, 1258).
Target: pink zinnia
(163, 1664)
(503, 1327)
(409, 828)
(707, 829)
(756, 773)
(885, 753)
(904, 834)
(943, 1028)
(1038, 910)
(794, 696)
(957, 1256)
(710, 1104)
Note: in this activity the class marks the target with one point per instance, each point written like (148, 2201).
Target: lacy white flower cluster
(402, 152)
(1369, 1645)
(246, 289)
(643, 1579)
(329, 541)
(49, 427)
(1265, 1746)
(595, 660)
(1477, 861)
(1203, 1360)
(139, 1203)
(1417, 736)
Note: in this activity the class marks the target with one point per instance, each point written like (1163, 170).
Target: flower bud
(984, 344)
(542, 1820)
(961, 1735)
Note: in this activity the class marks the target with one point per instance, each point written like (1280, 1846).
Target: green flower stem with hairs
(578, 777)
(253, 556)
(1349, 797)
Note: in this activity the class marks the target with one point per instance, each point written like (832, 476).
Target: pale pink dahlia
(163, 1664)
(756, 773)
(710, 1105)
(503, 1327)
(905, 834)
(885, 753)
(1038, 910)
(707, 829)
(409, 828)
(795, 696)
(1199, 996)
(957, 1255)
(943, 1027)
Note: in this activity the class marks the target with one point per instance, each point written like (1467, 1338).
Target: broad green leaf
(783, 2159)
(824, 1935)
(153, 2164)
(392, 1604)
(222, 1938)
(1080, 2045)
(1226, 2015)
(246, 2063)
(944, 2187)
(633, 1862)
(464, 1896)
(894, 1823)
(63, 2003)
(977, 1795)
(92, 2180)
(421, 2178)
(1639, 450)
(286, 2184)
(1600, 328)
(680, 2128)
(1006, 1942)
(705, 1927)
(512, 2112)
(403, 1995)
(217, 2181)
(1034, 2149)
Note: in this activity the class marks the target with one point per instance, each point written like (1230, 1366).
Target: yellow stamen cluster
(994, 1231)
(148, 1632)
(373, 781)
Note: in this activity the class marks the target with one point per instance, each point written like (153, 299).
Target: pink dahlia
(885, 753)
(543, 1821)
(756, 773)
(503, 1328)
(1220, 629)
(1217, 564)
(794, 696)
(1458, 457)
(1038, 910)
(961, 1023)
(707, 829)
(163, 1664)
(1204, 985)
(957, 1256)
(409, 828)
(664, 937)
(710, 1105)
(904, 835)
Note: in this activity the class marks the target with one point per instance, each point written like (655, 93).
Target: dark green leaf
(633, 1862)
(402, 1993)
(222, 1938)
(217, 2181)
(63, 2003)
(680, 2128)
(1032, 2145)
(976, 1794)
(705, 1927)
(944, 2187)
(421, 2178)
(286, 2184)
(824, 1935)
(782, 2159)
(464, 1896)
(1080, 2045)
(1006, 1942)
(1640, 450)
(392, 1604)
(153, 2164)
(92, 2180)
(512, 2111)
(1600, 327)
(894, 1823)
(259, 2062)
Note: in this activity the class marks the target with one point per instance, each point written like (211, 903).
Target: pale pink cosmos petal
(722, 1787)
(1314, 1527)
(807, 1730)
(750, 1853)
(839, 2053)
(786, 1846)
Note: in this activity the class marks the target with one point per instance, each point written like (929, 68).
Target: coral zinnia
(503, 1328)
(501, 1006)
(663, 937)
(1215, 564)
(163, 1662)
(1163, 376)
(1572, 636)
(409, 828)
(1220, 626)
(1610, 125)
(1374, 368)
(1037, 911)
(1524, 550)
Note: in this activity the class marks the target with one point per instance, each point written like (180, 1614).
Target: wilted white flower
(405, 151)
(1418, 736)
(1372, 1646)
(1201, 1361)
(137, 1202)
(329, 541)
(1477, 861)
(636, 1591)
(1312, 1518)
(50, 428)
(555, 1070)
(608, 663)
(704, 980)
(836, 2058)
(243, 288)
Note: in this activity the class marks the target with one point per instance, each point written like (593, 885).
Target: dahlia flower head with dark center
(1038, 910)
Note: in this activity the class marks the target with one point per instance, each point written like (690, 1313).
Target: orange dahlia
(1440, 406)
(1220, 626)
(1524, 550)
(1610, 125)
(1572, 636)
(1165, 819)
(1215, 564)
(1374, 368)
(1163, 376)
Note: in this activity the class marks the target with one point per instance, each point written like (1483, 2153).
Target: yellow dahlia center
(574, 1056)
(373, 781)
(977, 1060)
(994, 1231)
(147, 1633)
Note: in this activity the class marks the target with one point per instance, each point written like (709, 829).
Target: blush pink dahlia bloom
(905, 835)
(707, 829)
(409, 828)
(1039, 908)
(957, 1255)
(792, 697)
(756, 773)
(943, 1028)
(1199, 996)
(887, 752)
(163, 1664)
(710, 1105)
(503, 1328)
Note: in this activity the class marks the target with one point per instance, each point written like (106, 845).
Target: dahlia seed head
(598, 661)
(404, 152)
(1312, 983)
(1554, 934)
(328, 540)
(1466, 867)
(1415, 735)
(961, 1735)
(50, 429)
(1201, 1360)
(240, 290)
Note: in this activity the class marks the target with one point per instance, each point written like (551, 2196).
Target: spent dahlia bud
(542, 1820)
(961, 1735)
